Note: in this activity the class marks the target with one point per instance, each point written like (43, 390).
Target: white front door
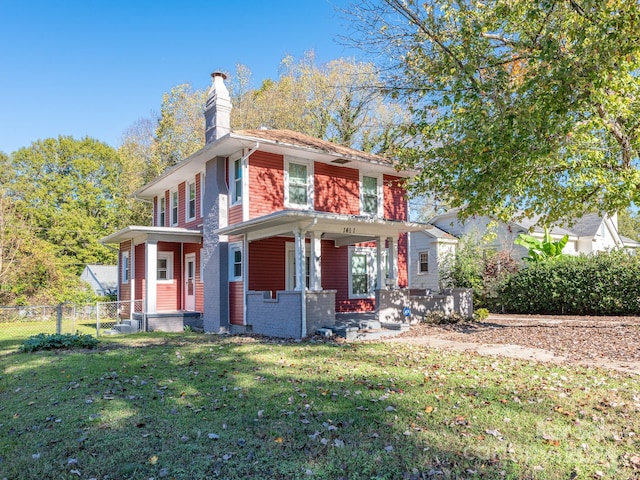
(190, 282)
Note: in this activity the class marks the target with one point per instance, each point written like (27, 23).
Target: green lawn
(191, 406)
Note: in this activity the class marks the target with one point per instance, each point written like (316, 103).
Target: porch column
(393, 258)
(300, 261)
(380, 263)
(300, 280)
(316, 274)
(150, 265)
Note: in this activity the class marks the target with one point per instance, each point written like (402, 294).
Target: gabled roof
(588, 225)
(296, 139)
(284, 142)
(104, 275)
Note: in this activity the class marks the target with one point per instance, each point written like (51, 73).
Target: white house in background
(591, 233)
(102, 278)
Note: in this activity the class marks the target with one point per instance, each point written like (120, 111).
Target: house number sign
(349, 230)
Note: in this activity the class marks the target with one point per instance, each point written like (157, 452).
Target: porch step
(127, 326)
(396, 326)
(369, 325)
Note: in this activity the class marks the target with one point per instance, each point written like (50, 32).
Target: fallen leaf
(153, 459)
(428, 409)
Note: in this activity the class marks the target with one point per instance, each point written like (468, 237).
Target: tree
(68, 191)
(629, 224)
(341, 101)
(518, 106)
(540, 250)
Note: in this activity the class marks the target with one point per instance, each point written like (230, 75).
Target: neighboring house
(102, 278)
(591, 233)
(269, 231)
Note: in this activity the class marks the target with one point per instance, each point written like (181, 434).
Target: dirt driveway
(608, 342)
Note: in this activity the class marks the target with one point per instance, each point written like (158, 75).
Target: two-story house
(269, 231)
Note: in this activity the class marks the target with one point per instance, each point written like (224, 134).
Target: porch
(301, 268)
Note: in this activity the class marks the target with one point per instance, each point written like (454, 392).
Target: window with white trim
(235, 262)
(235, 180)
(164, 270)
(125, 267)
(362, 272)
(290, 266)
(174, 208)
(162, 211)
(370, 195)
(298, 188)
(423, 262)
(191, 201)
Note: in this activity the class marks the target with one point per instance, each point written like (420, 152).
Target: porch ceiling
(343, 229)
(141, 234)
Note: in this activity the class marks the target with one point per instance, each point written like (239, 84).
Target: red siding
(395, 201)
(267, 264)
(335, 276)
(169, 294)
(235, 214)
(403, 274)
(236, 303)
(266, 184)
(198, 218)
(195, 248)
(139, 278)
(336, 189)
(124, 289)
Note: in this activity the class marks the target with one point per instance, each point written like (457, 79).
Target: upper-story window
(370, 195)
(298, 191)
(423, 262)
(174, 207)
(162, 211)
(191, 201)
(235, 180)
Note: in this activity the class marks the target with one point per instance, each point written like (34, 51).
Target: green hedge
(602, 284)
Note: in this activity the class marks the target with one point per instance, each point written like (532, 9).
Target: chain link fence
(19, 323)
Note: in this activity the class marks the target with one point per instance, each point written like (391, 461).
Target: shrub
(439, 318)
(53, 341)
(602, 284)
(481, 314)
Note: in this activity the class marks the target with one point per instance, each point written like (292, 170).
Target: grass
(189, 406)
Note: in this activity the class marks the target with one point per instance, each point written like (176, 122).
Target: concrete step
(125, 328)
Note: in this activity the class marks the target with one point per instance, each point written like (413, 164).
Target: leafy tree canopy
(518, 105)
(68, 192)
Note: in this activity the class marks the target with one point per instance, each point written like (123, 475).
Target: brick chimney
(217, 112)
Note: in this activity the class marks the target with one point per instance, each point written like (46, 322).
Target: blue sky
(94, 67)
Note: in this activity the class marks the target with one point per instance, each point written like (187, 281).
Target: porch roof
(342, 229)
(141, 234)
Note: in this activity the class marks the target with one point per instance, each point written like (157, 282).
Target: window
(125, 267)
(298, 184)
(362, 272)
(174, 207)
(423, 262)
(235, 182)
(164, 266)
(290, 267)
(370, 195)
(235, 263)
(191, 201)
(162, 211)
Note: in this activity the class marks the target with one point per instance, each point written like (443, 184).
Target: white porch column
(150, 265)
(316, 274)
(393, 258)
(300, 279)
(380, 284)
(300, 261)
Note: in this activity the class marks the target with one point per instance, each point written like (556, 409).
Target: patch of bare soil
(602, 341)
